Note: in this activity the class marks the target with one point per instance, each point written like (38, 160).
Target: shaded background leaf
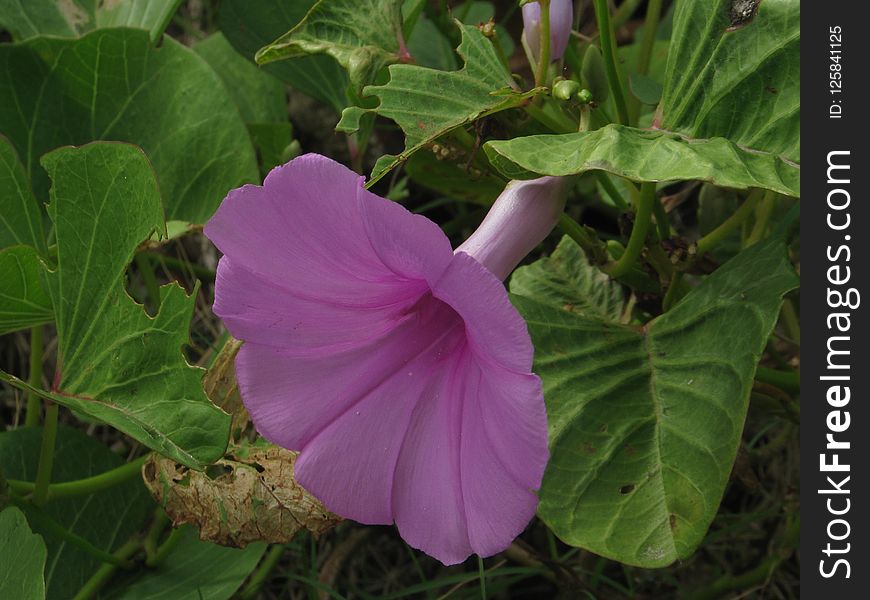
(22, 578)
(249, 26)
(112, 84)
(70, 18)
(105, 519)
(23, 300)
(195, 570)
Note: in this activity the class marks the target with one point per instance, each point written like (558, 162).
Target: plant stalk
(93, 585)
(165, 548)
(647, 43)
(46, 455)
(638, 233)
(79, 487)
(765, 210)
(544, 58)
(259, 577)
(608, 52)
(143, 264)
(715, 237)
(594, 249)
(34, 378)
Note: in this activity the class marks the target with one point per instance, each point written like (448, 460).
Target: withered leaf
(250, 495)
(222, 389)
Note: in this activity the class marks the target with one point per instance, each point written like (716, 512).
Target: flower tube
(397, 368)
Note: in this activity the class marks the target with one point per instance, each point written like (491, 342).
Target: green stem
(259, 577)
(154, 532)
(715, 237)
(585, 119)
(79, 487)
(499, 50)
(765, 210)
(725, 584)
(611, 190)
(165, 548)
(544, 46)
(647, 43)
(792, 321)
(556, 122)
(595, 250)
(671, 296)
(624, 12)
(183, 266)
(481, 574)
(46, 455)
(34, 402)
(662, 222)
(638, 233)
(93, 585)
(660, 261)
(608, 52)
(790, 381)
(143, 263)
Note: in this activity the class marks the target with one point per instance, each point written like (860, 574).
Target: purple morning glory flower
(397, 368)
(561, 22)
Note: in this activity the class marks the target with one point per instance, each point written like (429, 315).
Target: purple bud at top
(521, 217)
(561, 22)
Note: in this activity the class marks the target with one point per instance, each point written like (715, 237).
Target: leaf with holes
(364, 36)
(645, 423)
(113, 84)
(114, 362)
(252, 496)
(427, 103)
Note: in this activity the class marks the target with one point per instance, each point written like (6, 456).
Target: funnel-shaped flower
(398, 368)
(561, 22)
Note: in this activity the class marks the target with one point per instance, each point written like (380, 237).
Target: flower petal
(311, 251)
(258, 310)
(427, 489)
(503, 461)
(495, 329)
(350, 465)
(472, 458)
(347, 413)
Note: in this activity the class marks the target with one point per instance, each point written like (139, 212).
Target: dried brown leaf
(222, 389)
(250, 495)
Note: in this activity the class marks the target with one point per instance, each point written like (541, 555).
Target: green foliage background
(664, 312)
